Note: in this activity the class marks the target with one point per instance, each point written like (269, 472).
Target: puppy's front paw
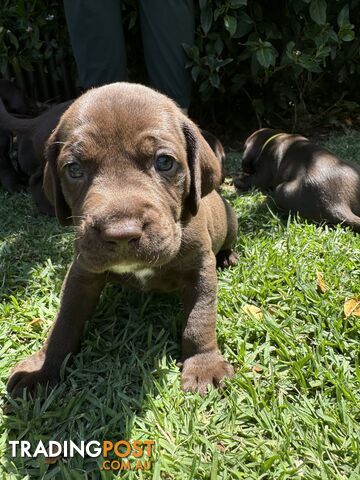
(204, 369)
(242, 182)
(28, 374)
(226, 258)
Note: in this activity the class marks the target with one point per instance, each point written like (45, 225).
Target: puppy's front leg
(203, 364)
(261, 179)
(244, 182)
(80, 294)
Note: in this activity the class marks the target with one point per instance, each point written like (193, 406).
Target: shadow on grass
(257, 212)
(27, 241)
(125, 356)
(126, 352)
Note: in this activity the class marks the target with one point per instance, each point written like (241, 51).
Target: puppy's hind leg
(297, 198)
(307, 202)
(287, 196)
(227, 257)
(347, 218)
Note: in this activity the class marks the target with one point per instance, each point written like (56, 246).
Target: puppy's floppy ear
(51, 184)
(205, 168)
(217, 147)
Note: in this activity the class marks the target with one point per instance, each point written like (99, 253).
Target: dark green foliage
(31, 32)
(289, 59)
(35, 48)
(280, 61)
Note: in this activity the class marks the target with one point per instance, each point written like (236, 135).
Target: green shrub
(289, 58)
(30, 32)
(35, 48)
(289, 61)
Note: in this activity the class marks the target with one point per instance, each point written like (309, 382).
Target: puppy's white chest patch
(144, 274)
(141, 274)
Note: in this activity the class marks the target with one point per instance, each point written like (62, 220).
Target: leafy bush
(288, 60)
(30, 32)
(295, 60)
(35, 46)
(34, 41)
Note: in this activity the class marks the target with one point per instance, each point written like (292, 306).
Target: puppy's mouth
(127, 249)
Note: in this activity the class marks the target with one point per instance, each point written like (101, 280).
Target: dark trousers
(97, 39)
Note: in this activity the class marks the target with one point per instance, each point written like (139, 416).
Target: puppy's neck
(270, 140)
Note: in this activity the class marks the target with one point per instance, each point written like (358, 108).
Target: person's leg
(97, 39)
(165, 26)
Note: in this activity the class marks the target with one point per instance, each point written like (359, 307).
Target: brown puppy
(307, 178)
(32, 134)
(137, 179)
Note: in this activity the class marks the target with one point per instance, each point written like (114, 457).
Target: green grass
(292, 410)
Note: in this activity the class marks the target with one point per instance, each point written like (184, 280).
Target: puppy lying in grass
(307, 178)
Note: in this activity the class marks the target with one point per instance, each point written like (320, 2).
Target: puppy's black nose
(122, 232)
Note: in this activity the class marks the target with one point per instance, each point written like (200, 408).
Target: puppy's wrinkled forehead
(128, 117)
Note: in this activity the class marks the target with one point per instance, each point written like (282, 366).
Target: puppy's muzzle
(103, 242)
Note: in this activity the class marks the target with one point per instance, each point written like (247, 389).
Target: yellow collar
(270, 140)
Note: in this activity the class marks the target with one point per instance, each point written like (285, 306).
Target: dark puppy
(217, 148)
(32, 134)
(15, 102)
(137, 179)
(307, 178)
(10, 179)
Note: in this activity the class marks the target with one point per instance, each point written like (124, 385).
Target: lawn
(290, 412)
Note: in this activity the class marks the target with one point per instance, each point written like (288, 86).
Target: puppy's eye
(75, 170)
(164, 163)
